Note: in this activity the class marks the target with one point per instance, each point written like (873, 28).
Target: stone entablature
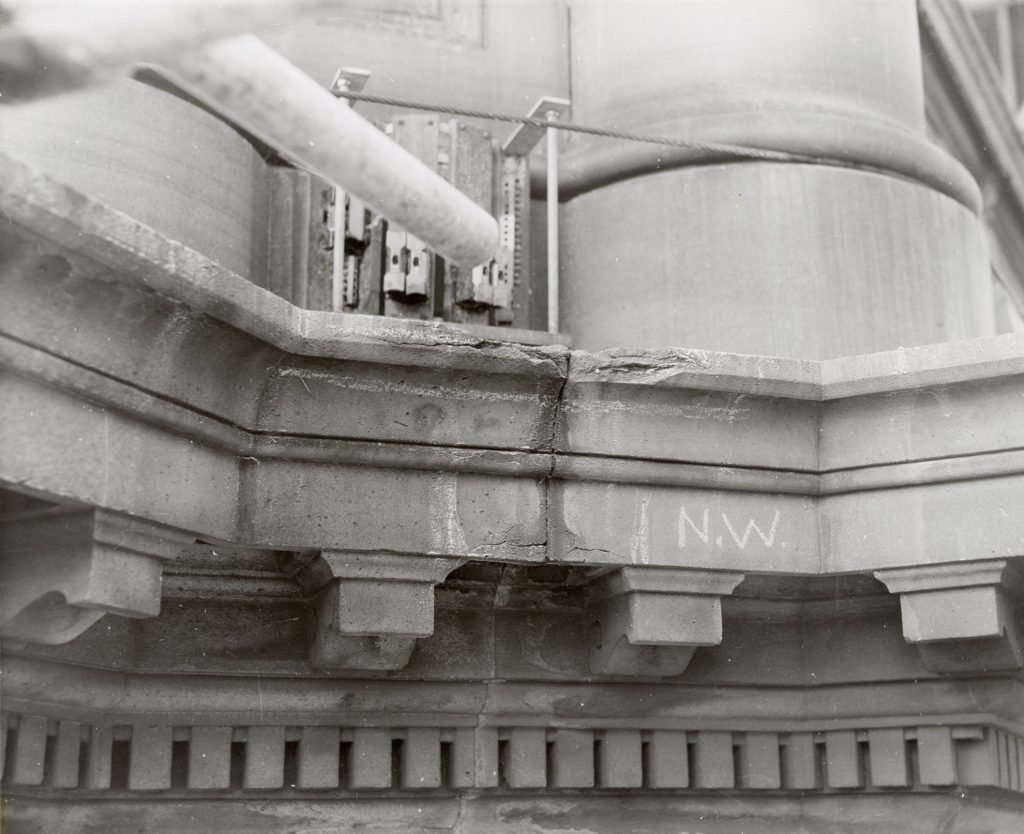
(258, 423)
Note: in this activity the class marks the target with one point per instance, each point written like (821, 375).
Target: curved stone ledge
(856, 142)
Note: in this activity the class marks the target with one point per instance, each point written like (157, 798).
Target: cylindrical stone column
(872, 243)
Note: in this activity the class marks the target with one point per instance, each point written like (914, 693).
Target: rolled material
(274, 100)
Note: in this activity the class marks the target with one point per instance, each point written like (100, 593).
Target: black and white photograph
(512, 416)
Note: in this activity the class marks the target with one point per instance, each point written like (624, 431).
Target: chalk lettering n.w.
(703, 530)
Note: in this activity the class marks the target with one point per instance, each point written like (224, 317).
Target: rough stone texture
(606, 815)
(650, 622)
(962, 616)
(65, 570)
(258, 428)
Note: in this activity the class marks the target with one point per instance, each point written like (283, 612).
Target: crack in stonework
(553, 452)
(579, 548)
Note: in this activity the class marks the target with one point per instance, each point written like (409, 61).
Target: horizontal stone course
(328, 758)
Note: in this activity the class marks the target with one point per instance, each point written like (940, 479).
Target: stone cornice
(145, 379)
(125, 250)
(85, 694)
(244, 386)
(39, 205)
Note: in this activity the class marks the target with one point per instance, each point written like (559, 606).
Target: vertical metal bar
(338, 224)
(552, 149)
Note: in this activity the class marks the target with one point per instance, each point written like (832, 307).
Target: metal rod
(277, 102)
(552, 151)
(338, 229)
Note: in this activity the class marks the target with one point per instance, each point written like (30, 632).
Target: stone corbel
(963, 617)
(63, 569)
(371, 608)
(650, 621)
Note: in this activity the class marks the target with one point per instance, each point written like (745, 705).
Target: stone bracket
(963, 617)
(371, 608)
(63, 569)
(650, 621)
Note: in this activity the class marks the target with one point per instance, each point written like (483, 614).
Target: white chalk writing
(685, 520)
(703, 532)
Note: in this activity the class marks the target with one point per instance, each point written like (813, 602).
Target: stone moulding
(64, 570)
(89, 756)
(278, 428)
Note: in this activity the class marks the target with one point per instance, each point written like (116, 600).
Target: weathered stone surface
(64, 569)
(73, 449)
(261, 425)
(877, 814)
(962, 617)
(753, 452)
(637, 411)
(299, 506)
(597, 523)
(931, 421)
(430, 406)
(650, 622)
(370, 607)
(957, 521)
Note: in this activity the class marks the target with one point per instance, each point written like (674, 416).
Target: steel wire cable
(712, 148)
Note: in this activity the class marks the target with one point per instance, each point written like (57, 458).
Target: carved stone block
(63, 569)
(962, 617)
(370, 607)
(651, 621)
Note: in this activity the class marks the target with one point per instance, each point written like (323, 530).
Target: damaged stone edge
(41, 206)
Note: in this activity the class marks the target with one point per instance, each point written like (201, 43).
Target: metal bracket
(349, 79)
(524, 138)
(520, 143)
(348, 215)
